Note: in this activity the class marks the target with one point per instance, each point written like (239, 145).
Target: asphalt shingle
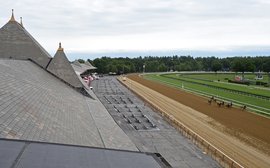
(17, 43)
(35, 105)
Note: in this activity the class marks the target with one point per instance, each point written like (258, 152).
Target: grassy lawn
(255, 103)
(223, 77)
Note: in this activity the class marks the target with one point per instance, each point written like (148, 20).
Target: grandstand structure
(83, 68)
(49, 117)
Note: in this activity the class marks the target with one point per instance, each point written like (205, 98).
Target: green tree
(111, 68)
(162, 67)
(216, 66)
(151, 66)
(126, 69)
(226, 64)
(238, 66)
(249, 66)
(179, 63)
(101, 64)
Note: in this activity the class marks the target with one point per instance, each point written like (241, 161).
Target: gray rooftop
(19, 154)
(89, 65)
(61, 67)
(36, 105)
(82, 68)
(17, 43)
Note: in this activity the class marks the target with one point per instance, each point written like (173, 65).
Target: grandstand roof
(81, 68)
(17, 43)
(36, 105)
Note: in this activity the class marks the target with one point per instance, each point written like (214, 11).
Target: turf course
(225, 76)
(222, 85)
(256, 98)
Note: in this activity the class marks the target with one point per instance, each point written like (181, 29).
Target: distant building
(83, 69)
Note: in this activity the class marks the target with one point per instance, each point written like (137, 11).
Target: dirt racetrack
(242, 135)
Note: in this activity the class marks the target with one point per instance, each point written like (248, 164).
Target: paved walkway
(147, 129)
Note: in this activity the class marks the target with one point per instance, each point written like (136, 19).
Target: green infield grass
(221, 84)
(226, 76)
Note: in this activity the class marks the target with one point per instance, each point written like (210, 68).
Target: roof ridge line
(36, 42)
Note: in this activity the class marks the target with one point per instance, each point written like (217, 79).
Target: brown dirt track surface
(229, 123)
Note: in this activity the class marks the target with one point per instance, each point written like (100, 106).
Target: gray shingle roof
(35, 105)
(17, 43)
(82, 68)
(87, 63)
(61, 67)
(76, 62)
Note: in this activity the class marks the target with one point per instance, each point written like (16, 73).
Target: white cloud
(113, 25)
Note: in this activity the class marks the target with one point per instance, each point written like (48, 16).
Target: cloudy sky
(92, 28)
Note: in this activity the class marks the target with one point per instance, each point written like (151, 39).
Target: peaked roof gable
(17, 43)
(76, 62)
(90, 65)
(82, 68)
(60, 66)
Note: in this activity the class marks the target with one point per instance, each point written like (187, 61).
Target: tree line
(180, 63)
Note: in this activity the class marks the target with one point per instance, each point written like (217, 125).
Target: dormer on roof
(77, 63)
